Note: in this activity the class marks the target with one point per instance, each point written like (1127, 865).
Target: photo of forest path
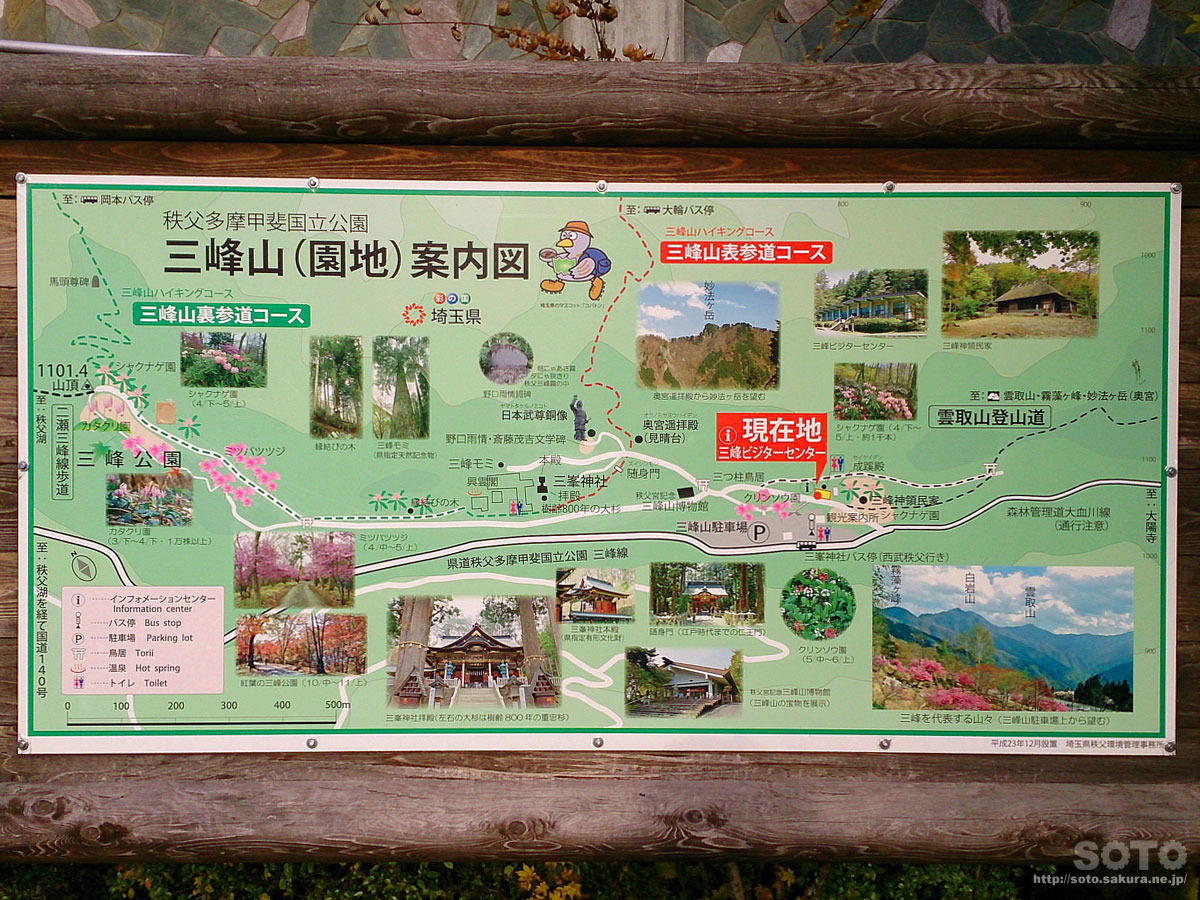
(400, 395)
(336, 381)
(293, 568)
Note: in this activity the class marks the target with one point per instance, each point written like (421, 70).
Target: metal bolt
(1176, 188)
(23, 465)
(1172, 471)
(601, 186)
(1169, 747)
(22, 178)
(885, 743)
(23, 744)
(597, 742)
(311, 743)
(313, 182)
(889, 186)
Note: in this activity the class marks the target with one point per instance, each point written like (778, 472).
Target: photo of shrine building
(590, 595)
(477, 659)
(705, 598)
(706, 593)
(475, 669)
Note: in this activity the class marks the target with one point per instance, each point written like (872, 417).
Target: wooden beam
(380, 806)
(632, 164)
(599, 104)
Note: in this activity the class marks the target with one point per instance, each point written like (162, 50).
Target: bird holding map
(574, 258)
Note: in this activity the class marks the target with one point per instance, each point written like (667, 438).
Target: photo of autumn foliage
(293, 568)
(313, 643)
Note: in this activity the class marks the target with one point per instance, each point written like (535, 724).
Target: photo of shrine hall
(595, 595)
(472, 653)
(706, 593)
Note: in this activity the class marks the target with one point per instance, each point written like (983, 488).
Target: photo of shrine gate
(468, 653)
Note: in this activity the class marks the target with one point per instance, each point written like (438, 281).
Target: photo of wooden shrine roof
(584, 596)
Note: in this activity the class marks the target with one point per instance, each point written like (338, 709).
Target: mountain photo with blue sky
(708, 335)
(1049, 639)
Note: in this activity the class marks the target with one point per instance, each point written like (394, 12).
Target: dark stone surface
(704, 28)
(325, 33)
(1086, 17)
(900, 40)
(110, 34)
(148, 9)
(1023, 11)
(239, 15)
(1007, 49)
(1112, 51)
(234, 41)
(1181, 55)
(1050, 46)
(956, 53)
(957, 21)
(913, 10)
(107, 10)
(714, 8)
(867, 53)
(742, 21)
(1153, 48)
(1051, 12)
(189, 29)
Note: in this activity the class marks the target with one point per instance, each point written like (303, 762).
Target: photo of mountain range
(1049, 639)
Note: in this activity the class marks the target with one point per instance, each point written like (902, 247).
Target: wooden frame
(356, 119)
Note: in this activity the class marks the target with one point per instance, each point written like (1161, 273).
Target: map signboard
(386, 465)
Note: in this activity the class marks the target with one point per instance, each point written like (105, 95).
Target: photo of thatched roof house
(1035, 298)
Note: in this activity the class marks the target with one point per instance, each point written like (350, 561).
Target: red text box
(773, 437)
(746, 252)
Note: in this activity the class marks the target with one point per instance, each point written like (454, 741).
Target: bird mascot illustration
(574, 258)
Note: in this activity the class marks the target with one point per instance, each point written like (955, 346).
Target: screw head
(22, 178)
(311, 743)
(23, 465)
(313, 182)
(1176, 188)
(889, 186)
(597, 742)
(22, 744)
(601, 186)
(1169, 747)
(885, 743)
(1172, 471)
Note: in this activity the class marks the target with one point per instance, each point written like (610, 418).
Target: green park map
(313, 465)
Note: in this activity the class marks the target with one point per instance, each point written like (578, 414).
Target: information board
(316, 465)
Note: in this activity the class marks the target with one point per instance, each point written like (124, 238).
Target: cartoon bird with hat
(574, 258)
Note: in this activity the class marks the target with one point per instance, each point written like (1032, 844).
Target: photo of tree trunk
(335, 382)
(400, 395)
